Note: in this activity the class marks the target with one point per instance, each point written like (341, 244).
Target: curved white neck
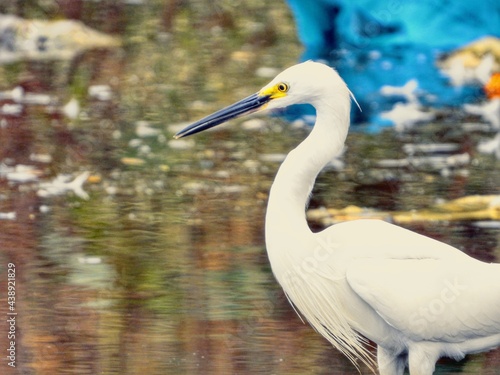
(286, 224)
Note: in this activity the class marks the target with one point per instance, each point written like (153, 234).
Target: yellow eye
(282, 87)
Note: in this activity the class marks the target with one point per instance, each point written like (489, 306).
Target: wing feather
(431, 299)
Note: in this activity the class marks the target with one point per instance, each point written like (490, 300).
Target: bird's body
(417, 298)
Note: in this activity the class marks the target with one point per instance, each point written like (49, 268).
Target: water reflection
(163, 268)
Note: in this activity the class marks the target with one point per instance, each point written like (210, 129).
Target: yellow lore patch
(276, 91)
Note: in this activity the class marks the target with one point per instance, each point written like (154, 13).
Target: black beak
(248, 105)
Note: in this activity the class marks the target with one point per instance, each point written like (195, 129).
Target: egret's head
(308, 82)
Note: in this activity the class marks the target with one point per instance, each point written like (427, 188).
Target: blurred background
(137, 253)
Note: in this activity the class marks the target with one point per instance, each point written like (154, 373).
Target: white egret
(417, 298)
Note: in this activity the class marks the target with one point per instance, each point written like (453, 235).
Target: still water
(157, 263)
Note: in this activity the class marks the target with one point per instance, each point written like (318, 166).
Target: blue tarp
(374, 43)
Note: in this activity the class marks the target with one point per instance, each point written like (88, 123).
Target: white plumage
(418, 299)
